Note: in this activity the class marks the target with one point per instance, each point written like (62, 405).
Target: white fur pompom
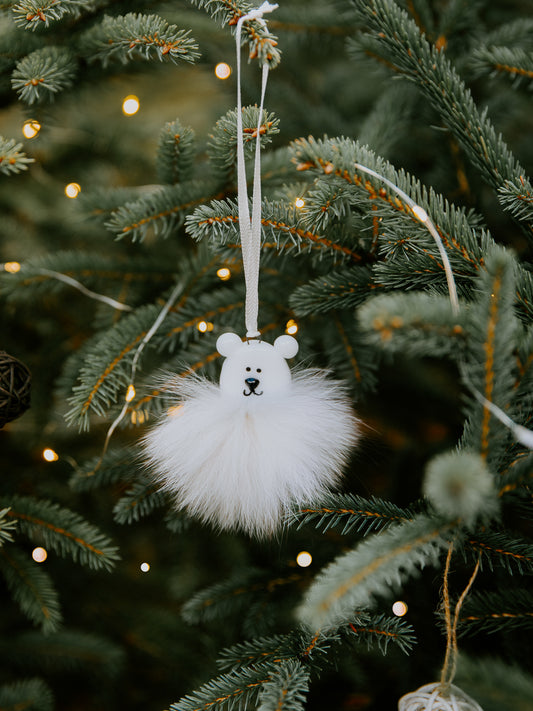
(239, 456)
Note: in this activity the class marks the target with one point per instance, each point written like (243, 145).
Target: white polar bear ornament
(241, 454)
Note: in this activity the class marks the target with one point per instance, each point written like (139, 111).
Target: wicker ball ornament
(431, 697)
(15, 388)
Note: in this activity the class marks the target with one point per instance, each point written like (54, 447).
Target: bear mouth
(252, 384)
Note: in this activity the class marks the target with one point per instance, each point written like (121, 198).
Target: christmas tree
(396, 224)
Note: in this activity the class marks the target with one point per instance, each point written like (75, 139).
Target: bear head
(255, 369)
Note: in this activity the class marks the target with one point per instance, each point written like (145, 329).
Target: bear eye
(248, 369)
(258, 370)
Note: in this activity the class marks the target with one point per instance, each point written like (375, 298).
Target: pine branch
(140, 500)
(118, 464)
(499, 549)
(31, 588)
(177, 522)
(7, 527)
(341, 289)
(176, 152)
(517, 33)
(43, 73)
(95, 271)
(489, 365)
(38, 14)
(379, 630)
(414, 324)
(286, 689)
(135, 36)
(298, 644)
(63, 531)
(513, 63)
(12, 159)
(161, 212)
(349, 512)
(408, 256)
(108, 370)
(31, 694)
(234, 595)
(280, 223)
(222, 144)
(377, 565)
(98, 204)
(518, 476)
(517, 199)
(502, 610)
(69, 651)
(253, 652)
(224, 692)
(396, 37)
(348, 353)
(262, 44)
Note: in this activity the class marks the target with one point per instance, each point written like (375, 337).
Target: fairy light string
(15, 267)
(84, 290)
(130, 392)
(421, 215)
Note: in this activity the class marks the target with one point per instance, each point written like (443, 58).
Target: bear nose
(252, 383)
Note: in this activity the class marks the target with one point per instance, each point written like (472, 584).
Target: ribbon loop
(250, 229)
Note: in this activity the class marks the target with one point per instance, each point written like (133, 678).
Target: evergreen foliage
(375, 567)
(30, 694)
(492, 612)
(135, 35)
(62, 530)
(176, 153)
(32, 588)
(12, 159)
(34, 14)
(376, 109)
(43, 73)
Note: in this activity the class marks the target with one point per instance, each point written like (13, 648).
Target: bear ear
(287, 346)
(228, 343)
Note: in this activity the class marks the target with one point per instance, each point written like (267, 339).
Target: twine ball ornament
(15, 386)
(435, 697)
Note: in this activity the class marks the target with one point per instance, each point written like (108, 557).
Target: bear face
(255, 369)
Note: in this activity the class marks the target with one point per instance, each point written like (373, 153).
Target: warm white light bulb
(222, 70)
(299, 202)
(420, 213)
(145, 567)
(131, 105)
(39, 554)
(49, 455)
(399, 608)
(12, 267)
(223, 273)
(304, 559)
(130, 393)
(72, 190)
(292, 327)
(30, 128)
(204, 326)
